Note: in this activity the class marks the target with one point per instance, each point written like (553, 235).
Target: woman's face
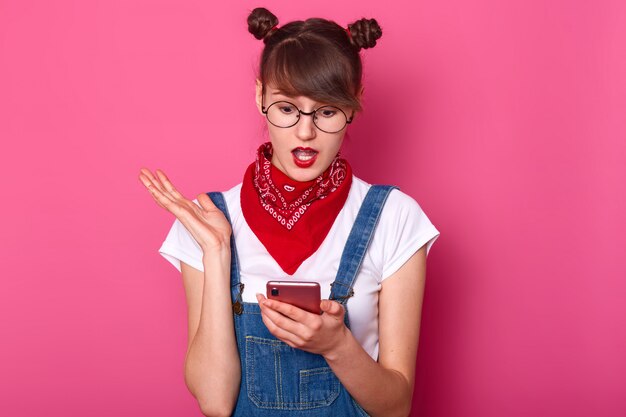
(302, 152)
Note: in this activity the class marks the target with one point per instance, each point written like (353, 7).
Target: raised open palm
(206, 223)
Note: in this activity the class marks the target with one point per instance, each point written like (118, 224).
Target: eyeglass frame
(265, 110)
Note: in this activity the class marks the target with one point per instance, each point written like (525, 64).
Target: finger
(156, 183)
(153, 179)
(151, 188)
(159, 197)
(174, 196)
(332, 308)
(281, 320)
(206, 203)
(168, 184)
(288, 310)
(282, 334)
(172, 193)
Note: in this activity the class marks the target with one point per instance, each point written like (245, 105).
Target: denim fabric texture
(276, 379)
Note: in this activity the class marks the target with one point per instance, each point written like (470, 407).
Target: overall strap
(358, 242)
(236, 287)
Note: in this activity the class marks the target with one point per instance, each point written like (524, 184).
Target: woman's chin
(299, 173)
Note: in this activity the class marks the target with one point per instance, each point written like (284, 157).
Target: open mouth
(304, 157)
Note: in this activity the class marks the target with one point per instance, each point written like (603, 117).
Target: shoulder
(397, 204)
(403, 227)
(402, 205)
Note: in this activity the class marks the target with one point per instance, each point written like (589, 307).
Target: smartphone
(302, 294)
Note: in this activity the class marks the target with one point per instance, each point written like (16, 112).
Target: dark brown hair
(315, 58)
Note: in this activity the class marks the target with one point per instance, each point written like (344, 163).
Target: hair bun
(365, 33)
(260, 22)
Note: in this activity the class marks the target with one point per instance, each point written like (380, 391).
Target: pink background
(504, 119)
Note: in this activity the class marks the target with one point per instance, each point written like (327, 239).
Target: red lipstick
(304, 157)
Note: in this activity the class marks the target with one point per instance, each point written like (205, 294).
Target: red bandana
(274, 206)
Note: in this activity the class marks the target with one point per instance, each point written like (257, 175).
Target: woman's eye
(286, 109)
(328, 112)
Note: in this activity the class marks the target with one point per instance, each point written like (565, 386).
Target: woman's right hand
(206, 223)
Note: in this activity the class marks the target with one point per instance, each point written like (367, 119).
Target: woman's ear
(259, 95)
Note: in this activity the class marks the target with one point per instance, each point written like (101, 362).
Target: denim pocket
(283, 378)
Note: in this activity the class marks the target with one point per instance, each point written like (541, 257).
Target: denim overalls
(276, 379)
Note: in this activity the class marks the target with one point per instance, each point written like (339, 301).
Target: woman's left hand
(315, 333)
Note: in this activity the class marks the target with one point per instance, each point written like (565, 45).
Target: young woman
(301, 215)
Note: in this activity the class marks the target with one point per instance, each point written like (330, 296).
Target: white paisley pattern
(273, 200)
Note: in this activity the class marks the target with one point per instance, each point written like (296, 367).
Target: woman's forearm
(389, 396)
(212, 369)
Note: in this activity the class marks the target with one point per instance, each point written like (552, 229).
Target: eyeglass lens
(328, 119)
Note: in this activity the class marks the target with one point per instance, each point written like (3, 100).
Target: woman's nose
(305, 129)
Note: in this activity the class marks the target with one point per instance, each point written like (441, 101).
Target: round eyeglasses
(284, 114)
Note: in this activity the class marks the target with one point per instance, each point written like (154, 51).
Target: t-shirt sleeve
(179, 245)
(405, 229)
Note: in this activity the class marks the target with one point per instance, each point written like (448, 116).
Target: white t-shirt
(403, 228)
